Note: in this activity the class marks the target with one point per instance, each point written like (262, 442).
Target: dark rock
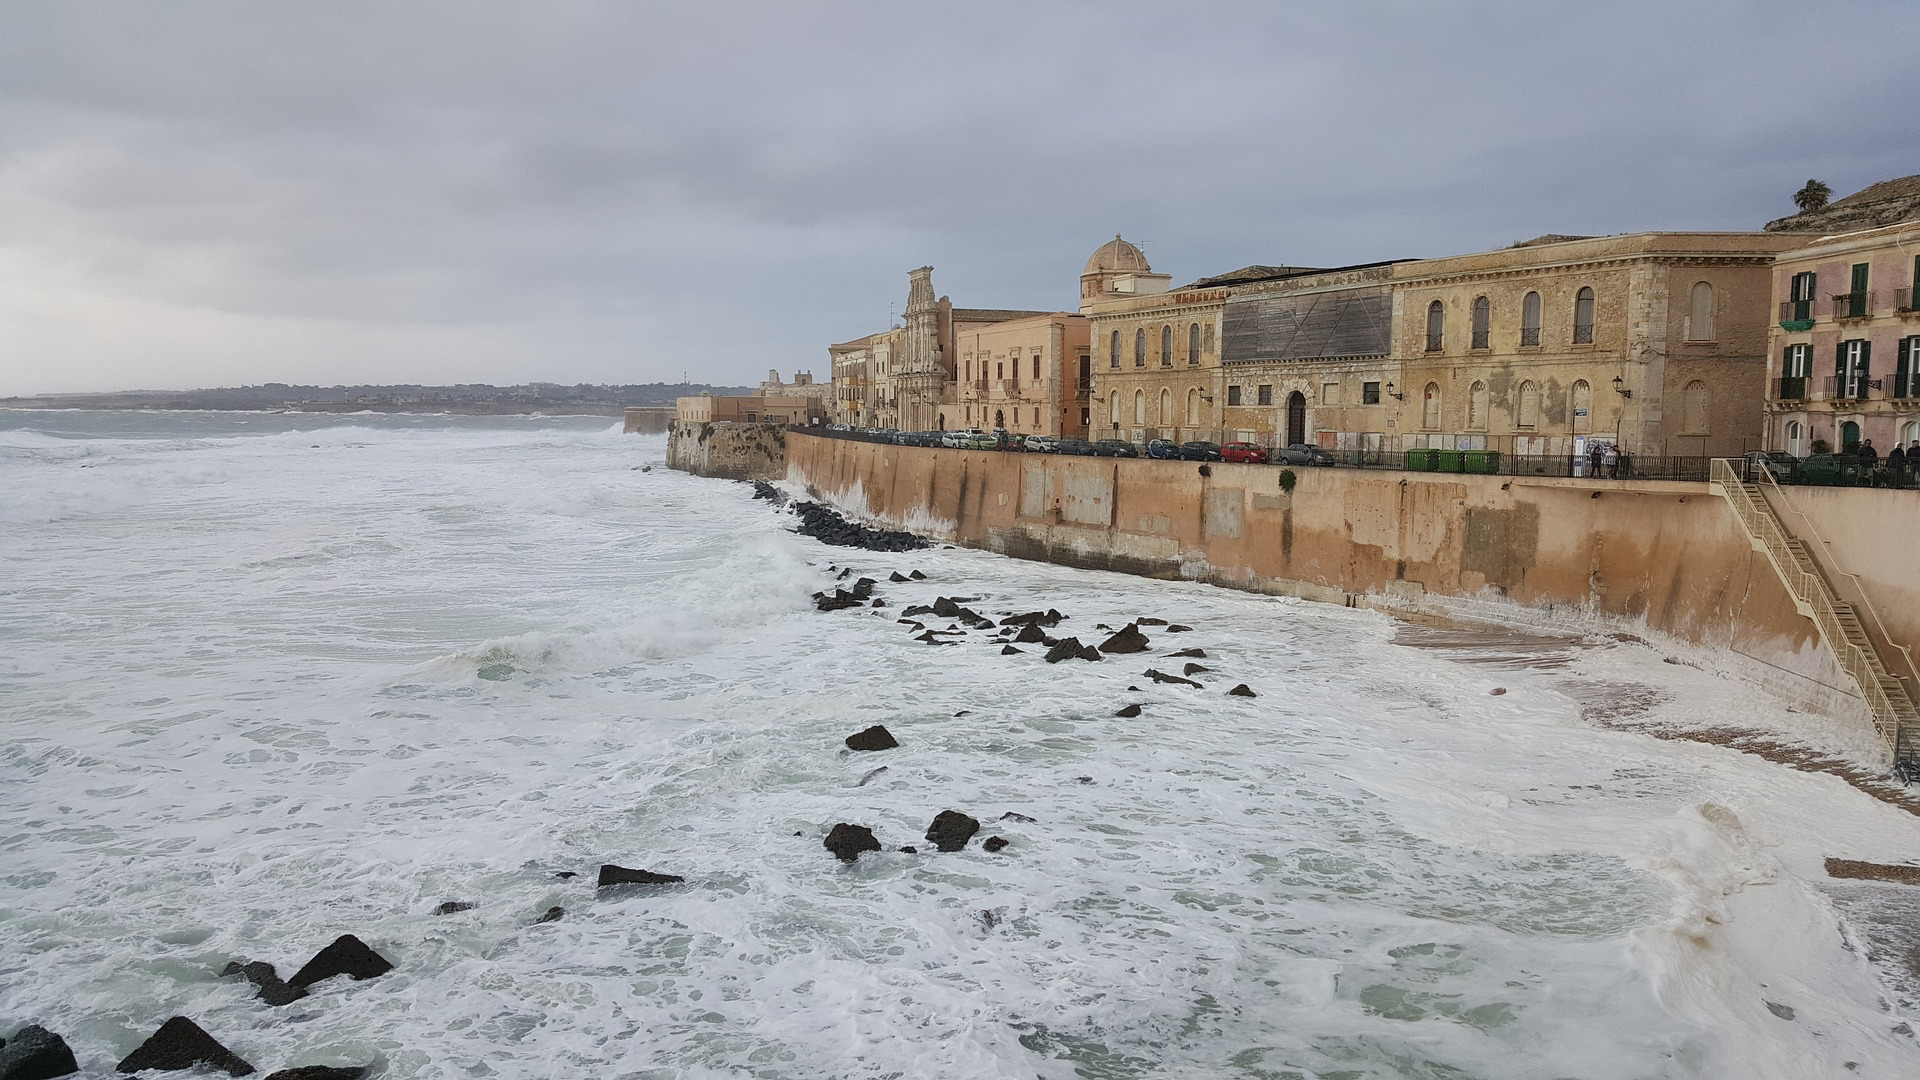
(829, 527)
(863, 780)
(34, 1053)
(877, 602)
(1031, 634)
(553, 914)
(263, 976)
(1129, 711)
(1497, 691)
(1242, 691)
(914, 611)
(320, 1072)
(1195, 669)
(910, 850)
(840, 600)
(1200, 653)
(1176, 628)
(916, 575)
(874, 738)
(1011, 816)
(946, 608)
(963, 712)
(994, 843)
(1134, 689)
(896, 577)
(989, 919)
(1128, 640)
(848, 841)
(620, 875)
(1071, 649)
(1008, 650)
(348, 955)
(451, 906)
(1163, 677)
(565, 874)
(1084, 779)
(844, 573)
(930, 639)
(181, 1044)
(1148, 620)
(951, 830)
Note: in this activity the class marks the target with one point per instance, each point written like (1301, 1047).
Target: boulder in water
(951, 830)
(1195, 669)
(348, 955)
(1148, 620)
(1163, 677)
(1128, 639)
(847, 841)
(1128, 711)
(263, 976)
(1176, 628)
(1031, 634)
(994, 843)
(1071, 649)
(1008, 650)
(897, 577)
(620, 875)
(181, 1044)
(34, 1053)
(876, 737)
(320, 1072)
(1242, 691)
(553, 914)
(452, 906)
(916, 575)
(1199, 653)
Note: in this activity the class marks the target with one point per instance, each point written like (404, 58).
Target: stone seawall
(1664, 557)
(728, 450)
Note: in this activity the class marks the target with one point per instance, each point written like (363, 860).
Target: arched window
(1165, 415)
(1693, 409)
(1528, 413)
(1796, 438)
(1113, 353)
(1583, 316)
(1193, 406)
(1582, 403)
(1193, 344)
(1436, 325)
(1207, 333)
(1430, 407)
(1482, 322)
(1530, 319)
(1166, 346)
(1477, 407)
(1139, 406)
(1113, 408)
(1700, 322)
(1910, 433)
(1849, 438)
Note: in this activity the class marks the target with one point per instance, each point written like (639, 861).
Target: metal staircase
(1893, 711)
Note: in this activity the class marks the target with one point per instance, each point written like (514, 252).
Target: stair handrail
(1859, 663)
(1814, 531)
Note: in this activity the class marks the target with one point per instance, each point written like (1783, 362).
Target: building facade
(1025, 375)
(1844, 348)
(1154, 352)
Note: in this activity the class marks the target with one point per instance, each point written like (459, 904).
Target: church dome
(1118, 256)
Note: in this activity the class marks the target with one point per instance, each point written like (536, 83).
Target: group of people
(1902, 464)
(1608, 460)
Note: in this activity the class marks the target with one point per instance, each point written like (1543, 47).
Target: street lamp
(1620, 387)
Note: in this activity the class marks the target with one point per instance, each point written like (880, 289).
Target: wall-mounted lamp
(1620, 387)
(1394, 396)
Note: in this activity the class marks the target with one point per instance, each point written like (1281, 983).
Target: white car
(1041, 444)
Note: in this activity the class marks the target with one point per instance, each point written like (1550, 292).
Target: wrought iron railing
(1852, 305)
(1529, 335)
(1433, 342)
(1583, 333)
(1480, 338)
(1790, 388)
(1796, 310)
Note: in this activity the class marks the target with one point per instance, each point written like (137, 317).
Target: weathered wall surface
(1666, 556)
(1864, 541)
(729, 451)
(648, 419)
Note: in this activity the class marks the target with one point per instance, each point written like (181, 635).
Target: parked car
(954, 440)
(1833, 469)
(1199, 450)
(1042, 444)
(982, 440)
(1243, 451)
(1164, 449)
(1302, 454)
(1783, 465)
(1008, 440)
(1073, 446)
(1114, 448)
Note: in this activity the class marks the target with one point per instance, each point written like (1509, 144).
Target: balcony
(1433, 342)
(1907, 301)
(1796, 314)
(1852, 305)
(1845, 388)
(1791, 388)
(1583, 333)
(1480, 339)
(1529, 335)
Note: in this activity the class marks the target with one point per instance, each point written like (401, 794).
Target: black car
(1114, 448)
(1075, 446)
(1199, 450)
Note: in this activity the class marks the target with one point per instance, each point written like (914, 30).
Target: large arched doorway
(1296, 418)
(1849, 437)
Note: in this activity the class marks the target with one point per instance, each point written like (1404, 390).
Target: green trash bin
(1449, 461)
(1486, 462)
(1420, 459)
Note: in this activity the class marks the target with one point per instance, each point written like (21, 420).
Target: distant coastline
(472, 399)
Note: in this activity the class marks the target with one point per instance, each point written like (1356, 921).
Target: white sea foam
(258, 689)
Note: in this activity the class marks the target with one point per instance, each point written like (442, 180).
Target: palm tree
(1812, 197)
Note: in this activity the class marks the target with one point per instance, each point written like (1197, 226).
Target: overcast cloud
(199, 194)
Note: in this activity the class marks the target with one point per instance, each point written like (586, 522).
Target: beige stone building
(801, 386)
(1026, 375)
(753, 409)
(1653, 341)
(1154, 351)
(852, 369)
(1844, 346)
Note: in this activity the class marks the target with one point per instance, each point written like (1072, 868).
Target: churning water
(267, 679)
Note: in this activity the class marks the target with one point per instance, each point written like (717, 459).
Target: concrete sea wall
(1666, 557)
(728, 450)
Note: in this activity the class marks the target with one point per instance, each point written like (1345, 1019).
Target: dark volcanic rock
(262, 975)
(1070, 649)
(848, 841)
(1011, 816)
(1129, 639)
(1031, 634)
(929, 638)
(829, 527)
(620, 875)
(910, 850)
(840, 599)
(915, 610)
(320, 1072)
(181, 1044)
(951, 830)
(1200, 653)
(1176, 628)
(35, 1053)
(1195, 669)
(1129, 711)
(565, 874)
(1242, 691)
(897, 577)
(553, 914)
(1148, 620)
(1008, 650)
(451, 906)
(871, 773)
(994, 843)
(864, 587)
(874, 738)
(916, 575)
(348, 955)
(1163, 677)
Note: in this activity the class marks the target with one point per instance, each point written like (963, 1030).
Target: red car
(1243, 451)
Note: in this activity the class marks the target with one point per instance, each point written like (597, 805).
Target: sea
(269, 679)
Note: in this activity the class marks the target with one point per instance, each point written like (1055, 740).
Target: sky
(204, 194)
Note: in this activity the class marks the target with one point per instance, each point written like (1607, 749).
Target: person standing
(1612, 460)
(1897, 466)
(1594, 455)
(1868, 455)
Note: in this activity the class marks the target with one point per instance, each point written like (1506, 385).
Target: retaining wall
(731, 451)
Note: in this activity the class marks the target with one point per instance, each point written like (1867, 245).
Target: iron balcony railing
(1852, 305)
(1433, 342)
(1790, 388)
(1847, 388)
(1480, 338)
(1583, 333)
(1529, 335)
(1796, 310)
